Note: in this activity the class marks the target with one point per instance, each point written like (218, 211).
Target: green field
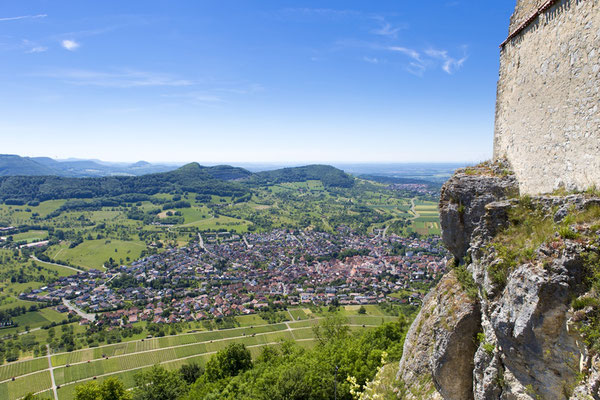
(12, 302)
(33, 319)
(12, 390)
(94, 253)
(220, 222)
(22, 367)
(298, 314)
(39, 318)
(31, 236)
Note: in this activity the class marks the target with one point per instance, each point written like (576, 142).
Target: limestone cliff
(517, 317)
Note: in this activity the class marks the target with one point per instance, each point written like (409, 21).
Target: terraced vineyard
(124, 360)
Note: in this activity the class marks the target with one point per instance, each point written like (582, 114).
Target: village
(237, 275)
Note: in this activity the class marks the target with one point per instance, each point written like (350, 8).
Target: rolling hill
(222, 180)
(14, 165)
(330, 176)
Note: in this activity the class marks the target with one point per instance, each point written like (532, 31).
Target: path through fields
(51, 368)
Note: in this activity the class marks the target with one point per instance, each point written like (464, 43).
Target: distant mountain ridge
(221, 180)
(14, 165)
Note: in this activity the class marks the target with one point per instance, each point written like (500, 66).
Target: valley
(106, 278)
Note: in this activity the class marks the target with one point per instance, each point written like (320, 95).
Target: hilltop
(14, 165)
(328, 175)
(221, 180)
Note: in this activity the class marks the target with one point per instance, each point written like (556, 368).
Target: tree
(362, 310)
(87, 391)
(191, 372)
(113, 389)
(332, 328)
(159, 384)
(228, 362)
(109, 389)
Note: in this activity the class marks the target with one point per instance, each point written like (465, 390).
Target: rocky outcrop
(517, 336)
(440, 345)
(463, 200)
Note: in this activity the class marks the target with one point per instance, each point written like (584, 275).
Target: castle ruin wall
(547, 110)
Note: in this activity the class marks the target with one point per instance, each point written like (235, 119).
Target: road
(384, 231)
(58, 265)
(291, 316)
(289, 329)
(412, 208)
(88, 316)
(415, 216)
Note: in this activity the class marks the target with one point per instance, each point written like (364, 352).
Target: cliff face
(517, 317)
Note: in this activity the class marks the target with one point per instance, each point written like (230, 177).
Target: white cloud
(371, 60)
(449, 64)
(37, 49)
(415, 68)
(23, 17)
(387, 29)
(70, 45)
(197, 97)
(116, 79)
(32, 47)
(415, 55)
(429, 58)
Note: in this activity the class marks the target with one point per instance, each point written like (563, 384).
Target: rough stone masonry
(547, 110)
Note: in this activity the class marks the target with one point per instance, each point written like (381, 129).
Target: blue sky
(243, 81)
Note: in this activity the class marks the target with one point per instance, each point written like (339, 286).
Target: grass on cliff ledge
(529, 228)
(498, 168)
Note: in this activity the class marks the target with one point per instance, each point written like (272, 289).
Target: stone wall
(523, 10)
(547, 111)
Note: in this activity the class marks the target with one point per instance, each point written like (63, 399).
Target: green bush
(467, 283)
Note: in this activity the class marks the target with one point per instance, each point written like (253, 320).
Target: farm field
(11, 302)
(33, 320)
(428, 220)
(220, 222)
(94, 253)
(34, 383)
(31, 236)
(39, 318)
(123, 360)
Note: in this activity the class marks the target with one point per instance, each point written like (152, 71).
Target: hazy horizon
(252, 163)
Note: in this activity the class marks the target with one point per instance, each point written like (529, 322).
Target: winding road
(88, 316)
(58, 265)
